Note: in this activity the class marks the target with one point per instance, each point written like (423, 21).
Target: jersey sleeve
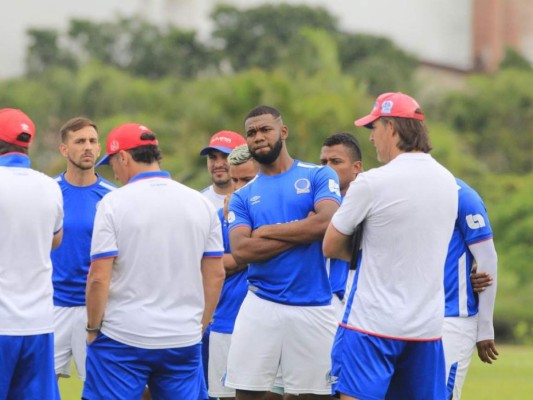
(354, 208)
(104, 240)
(326, 184)
(237, 212)
(473, 221)
(214, 246)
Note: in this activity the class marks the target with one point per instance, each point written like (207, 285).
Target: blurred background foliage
(296, 59)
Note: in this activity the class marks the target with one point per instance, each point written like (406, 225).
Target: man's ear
(63, 149)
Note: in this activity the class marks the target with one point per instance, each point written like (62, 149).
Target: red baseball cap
(224, 141)
(13, 122)
(392, 105)
(126, 137)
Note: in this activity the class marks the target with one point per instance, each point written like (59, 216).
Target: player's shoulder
(105, 185)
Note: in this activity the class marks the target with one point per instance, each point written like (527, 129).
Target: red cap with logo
(392, 105)
(13, 122)
(224, 141)
(126, 137)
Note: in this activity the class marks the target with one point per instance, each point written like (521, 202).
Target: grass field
(509, 378)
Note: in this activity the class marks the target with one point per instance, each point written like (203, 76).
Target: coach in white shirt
(155, 277)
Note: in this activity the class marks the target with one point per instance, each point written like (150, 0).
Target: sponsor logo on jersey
(334, 187)
(475, 221)
(231, 217)
(256, 199)
(302, 186)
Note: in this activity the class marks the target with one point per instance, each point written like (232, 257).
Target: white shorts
(269, 336)
(218, 361)
(70, 339)
(459, 341)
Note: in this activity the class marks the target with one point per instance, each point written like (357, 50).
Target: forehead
(335, 151)
(249, 168)
(85, 132)
(260, 120)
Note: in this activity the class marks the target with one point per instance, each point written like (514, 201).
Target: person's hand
(91, 336)
(486, 350)
(480, 281)
(226, 203)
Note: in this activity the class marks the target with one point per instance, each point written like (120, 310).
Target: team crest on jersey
(331, 379)
(302, 186)
(231, 217)
(254, 200)
(334, 187)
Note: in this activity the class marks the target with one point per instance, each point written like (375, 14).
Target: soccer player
(468, 318)
(341, 152)
(389, 343)
(277, 222)
(154, 280)
(220, 145)
(242, 169)
(82, 189)
(31, 215)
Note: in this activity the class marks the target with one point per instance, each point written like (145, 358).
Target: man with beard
(220, 145)
(82, 190)
(277, 223)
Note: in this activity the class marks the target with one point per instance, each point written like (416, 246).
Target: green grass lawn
(509, 378)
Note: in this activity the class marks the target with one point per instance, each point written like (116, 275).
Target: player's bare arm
(213, 278)
(336, 244)
(247, 249)
(307, 230)
(230, 265)
(58, 237)
(96, 294)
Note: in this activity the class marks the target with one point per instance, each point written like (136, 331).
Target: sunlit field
(509, 378)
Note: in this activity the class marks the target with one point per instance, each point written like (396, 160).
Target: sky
(437, 28)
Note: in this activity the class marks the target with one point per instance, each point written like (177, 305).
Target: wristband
(92, 330)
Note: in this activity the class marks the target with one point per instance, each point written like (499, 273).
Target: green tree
(258, 37)
(44, 52)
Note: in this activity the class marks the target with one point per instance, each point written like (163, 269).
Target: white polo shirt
(216, 199)
(409, 208)
(159, 230)
(31, 211)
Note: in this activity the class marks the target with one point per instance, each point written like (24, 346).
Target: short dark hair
(6, 147)
(146, 154)
(412, 132)
(263, 110)
(349, 141)
(75, 124)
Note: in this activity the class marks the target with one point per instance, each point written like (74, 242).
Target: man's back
(410, 206)
(31, 212)
(156, 294)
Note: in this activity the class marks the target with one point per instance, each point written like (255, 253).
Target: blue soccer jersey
(233, 291)
(297, 276)
(472, 226)
(71, 260)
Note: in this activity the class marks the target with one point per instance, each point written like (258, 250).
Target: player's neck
(282, 164)
(223, 190)
(80, 177)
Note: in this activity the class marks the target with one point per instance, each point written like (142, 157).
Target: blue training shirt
(297, 276)
(233, 291)
(471, 226)
(338, 274)
(71, 260)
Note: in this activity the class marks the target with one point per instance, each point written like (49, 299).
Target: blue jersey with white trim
(338, 274)
(71, 260)
(297, 276)
(233, 291)
(472, 226)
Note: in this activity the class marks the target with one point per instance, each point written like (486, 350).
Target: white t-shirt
(31, 211)
(159, 230)
(409, 208)
(216, 199)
